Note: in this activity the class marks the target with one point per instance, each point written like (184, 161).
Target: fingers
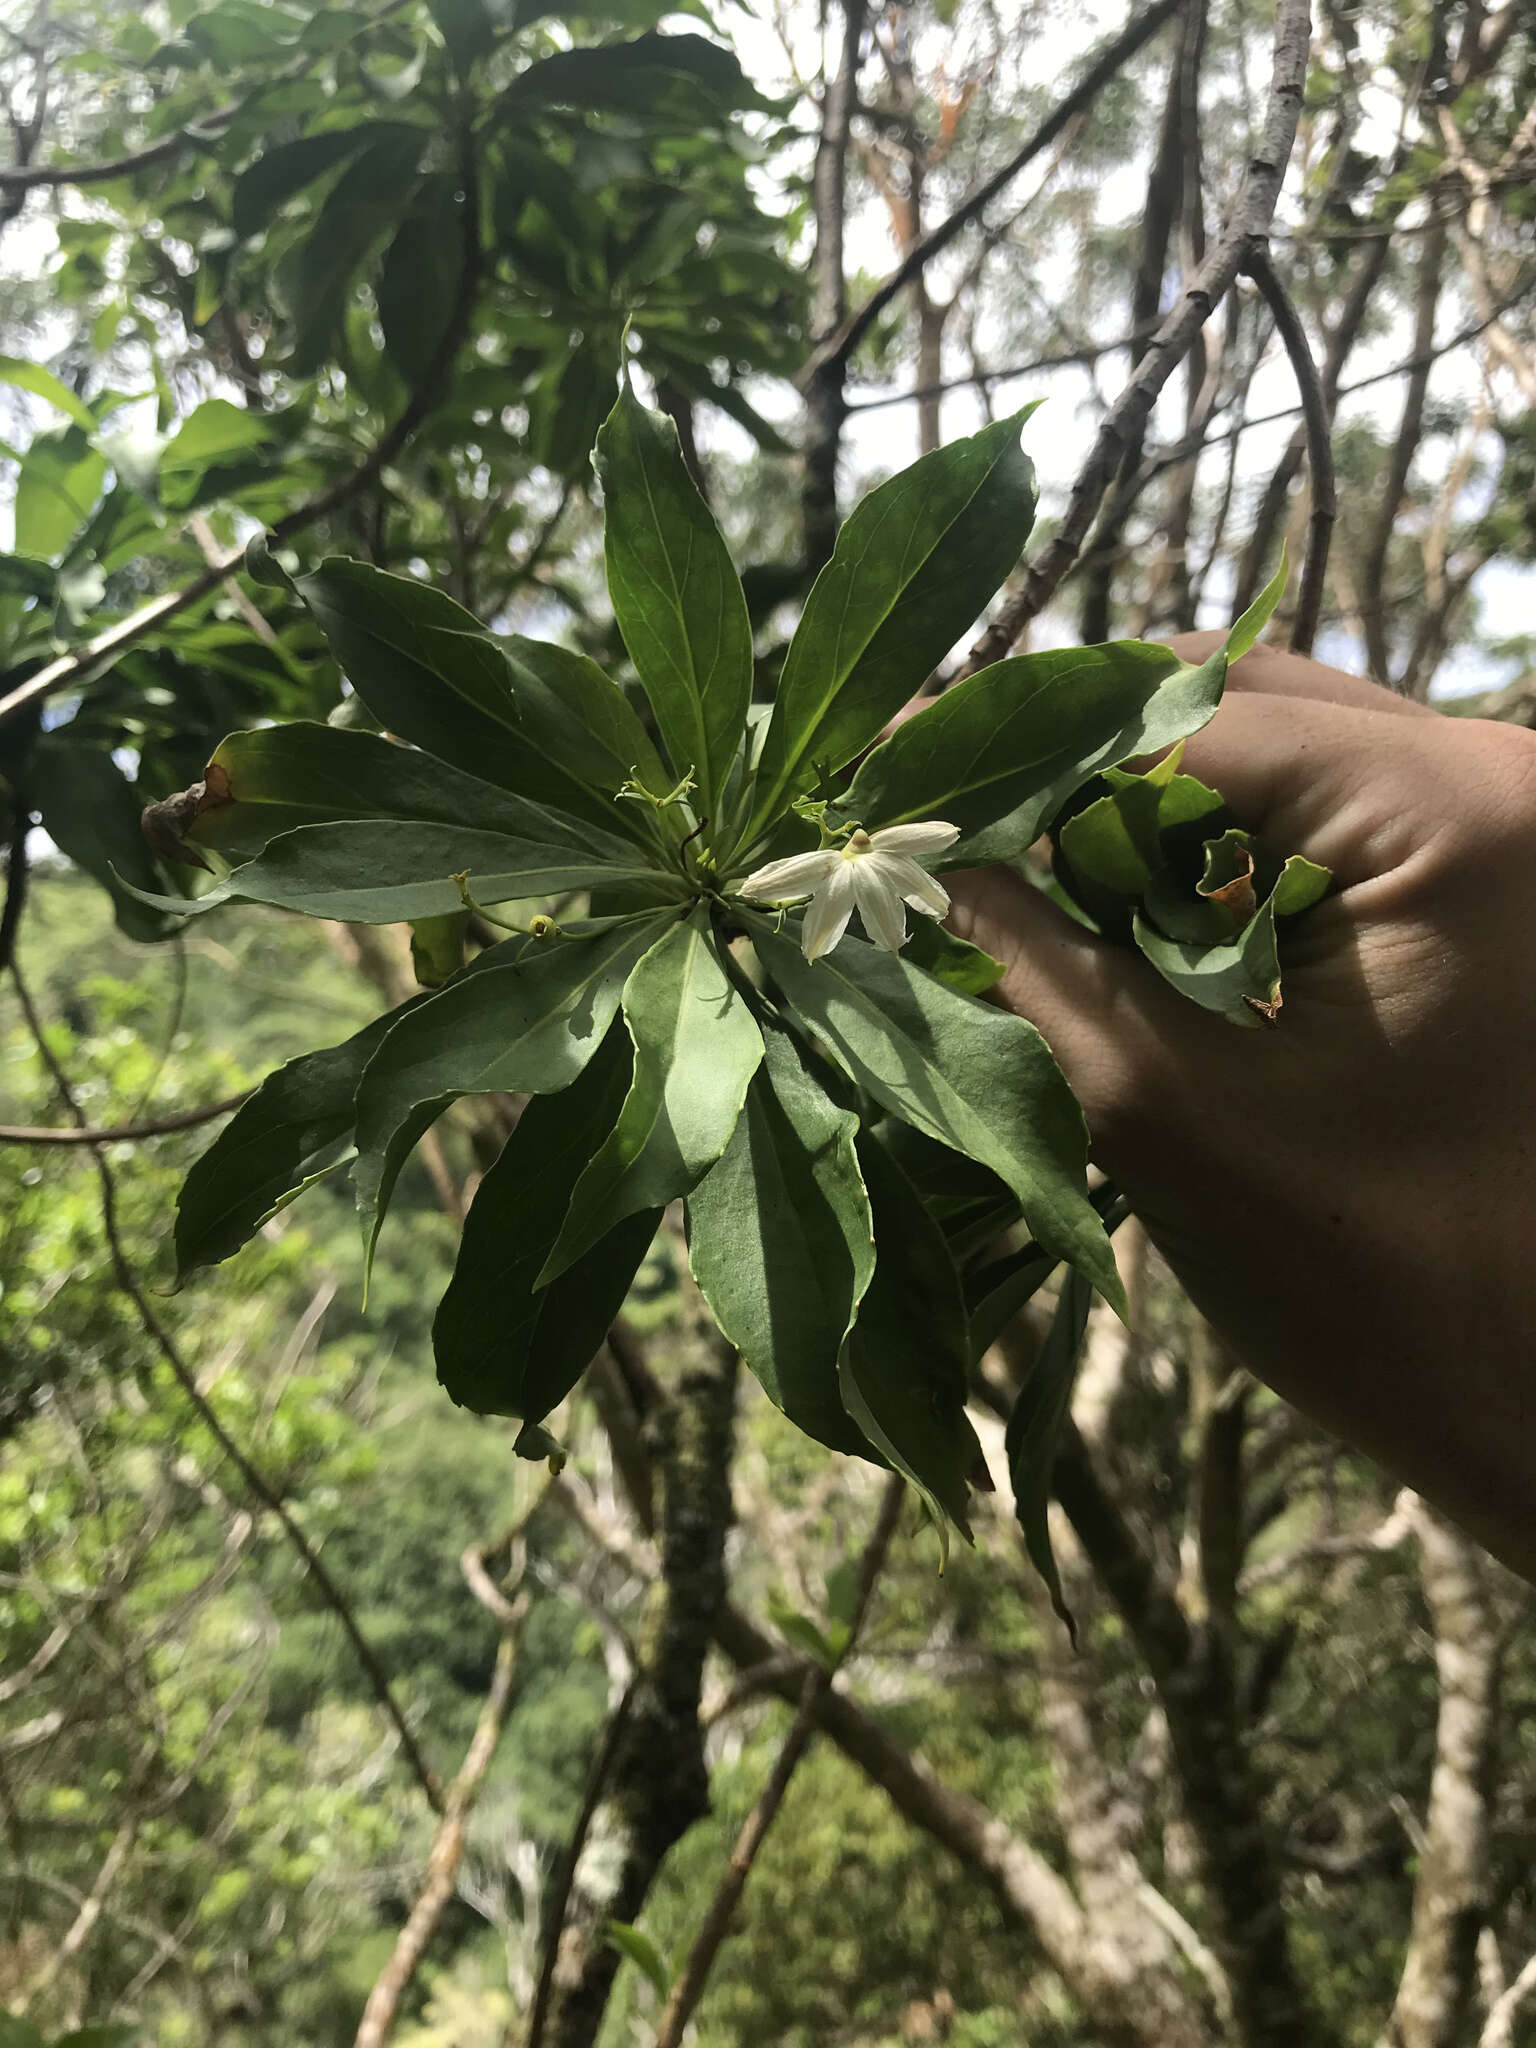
(1276, 672)
(1342, 785)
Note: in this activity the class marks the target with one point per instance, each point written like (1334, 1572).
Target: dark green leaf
(912, 568)
(91, 812)
(1000, 753)
(279, 777)
(525, 1026)
(505, 1347)
(1034, 1430)
(635, 75)
(970, 1075)
(320, 273)
(580, 717)
(295, 1128)
(366, 872)
(996, 1292)
(431, 674)
(279, 173)
(419, 282)
(677, 599)
(904, 1368)
(779, 1240)
(696, 1049)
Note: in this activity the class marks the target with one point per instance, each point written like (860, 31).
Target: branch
(1499, 2027)
(659, 1783)
(383, 2006)
(839, 347)
(818, 1681)
(111, 1134)
(186, 1379)
(193, 136)
(1404, 448)
(1126, 420)
(823, 380)
(115, 639)
(1452, 1884)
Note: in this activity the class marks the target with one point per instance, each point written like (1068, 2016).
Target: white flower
(873, 872)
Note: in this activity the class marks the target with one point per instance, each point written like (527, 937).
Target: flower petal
(929, 836)
(784, 881)
(913, 884)
(880, 904)
(831, 907)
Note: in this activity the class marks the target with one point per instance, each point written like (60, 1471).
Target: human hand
(1349, 1197)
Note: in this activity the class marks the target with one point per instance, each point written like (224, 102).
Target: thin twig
(113, 640)
(1125, 422)
(383, 2007)
(715, 1925)
(597, 1779)
(839, 347)
(112, 1134)
(1321, 480)
(194, 136)
(186, 1379)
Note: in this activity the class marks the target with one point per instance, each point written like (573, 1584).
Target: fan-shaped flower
(875, 873)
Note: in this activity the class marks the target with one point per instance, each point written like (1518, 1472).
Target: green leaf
(634, 75)
(696, 1049)
(1034, 1430)
(296, 1128)
(56, 491)
(1000, 753)
(996, 1292)
(779, 1240)
(954, 961)
(431, 674)
(642, 1952)
(419, 282)
(970, 1204)
(503, 1345)
(525, 1022)
(43, 384)
(215, 433)
(320, 274)
(903, 1370)
(1239, 979)
(912, 569)
(437, 948)
(91, 812)
(277, 174)
(1119, 842)
(972, 1076)
(366, 872)
(26, 576)
(676, 596)
(278, 777)
(580, 718)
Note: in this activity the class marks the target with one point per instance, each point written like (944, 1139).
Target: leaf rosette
(699, 974)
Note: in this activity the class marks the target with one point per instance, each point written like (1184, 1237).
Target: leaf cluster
(846, 1133)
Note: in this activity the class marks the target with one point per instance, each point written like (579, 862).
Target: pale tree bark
(1451, 1890)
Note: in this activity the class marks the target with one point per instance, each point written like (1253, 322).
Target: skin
(1348, 1197)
